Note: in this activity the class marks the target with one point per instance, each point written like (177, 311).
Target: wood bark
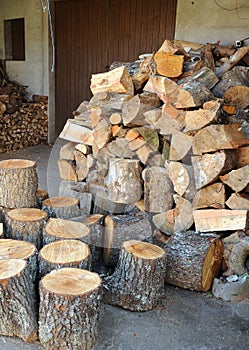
(69, 310)
(41, 195)
(123, 180)
(232, 61)
(17, 301)
(193, 94)
(63, 253)
(62, 207)
(119, 228)
(18, 183)
(26, 224)
(193, 260)
(138, 280)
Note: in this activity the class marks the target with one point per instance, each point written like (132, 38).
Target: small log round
(65, 253)
(41, 196)
(15, 249)
(58, 229)
(26, 224)
(18, 183)
(193, 260)
(17, 300)
(70, 305)
(138, 280)
(61, 207)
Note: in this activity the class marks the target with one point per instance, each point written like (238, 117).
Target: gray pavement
(184, 320)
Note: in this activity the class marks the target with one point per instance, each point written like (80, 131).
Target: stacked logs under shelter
(23, 121)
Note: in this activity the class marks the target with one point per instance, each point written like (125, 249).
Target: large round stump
(26, 224)
(17, 300)
(70, 305)
(18, 183)
(65, 253)
(61, 207)
(138, 280)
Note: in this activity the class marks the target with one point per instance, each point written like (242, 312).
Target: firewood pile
(168, 137)
(23, 122)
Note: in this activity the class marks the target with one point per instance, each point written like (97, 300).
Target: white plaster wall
(34, 70)
(212, 20)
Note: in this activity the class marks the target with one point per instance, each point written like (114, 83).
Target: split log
(167, 125)
(67, 170)
(18, 183)
(61, 207)
(211, 220)
(119, 148)
(162, 86)
(17, 306)
(102, 134)
(138, 280)
(142, 74)
(119, 228)
(85, 149)
(193, 260)
(232, 61)
(152, 116)
(193, 94)
(67, 151)
(77, 133)
(180, 146)
(207, 55)
(59, 229)
(210, 196)
(238, 95)
(208, 167)
(242, 156)
(123, 180)
(41, 195)
(26, 224)
(179, 176)
(117, 80)
(158, 189)
(115, 118)
(133, 111)
(204, 76)
(108, 98)
(69, 311)
(237, 179)
(150, 136)
(81, 168)
(168, 65)
(63, 253)
(238, 201)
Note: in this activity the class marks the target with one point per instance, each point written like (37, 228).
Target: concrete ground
(184, 320)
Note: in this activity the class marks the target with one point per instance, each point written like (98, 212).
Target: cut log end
(143, 250)
(17, 164)
(15, 249)
(66, 229)
(60, 202)
(10, 268)
(27, 214)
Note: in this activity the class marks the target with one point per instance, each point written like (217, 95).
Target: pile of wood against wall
(23, 122)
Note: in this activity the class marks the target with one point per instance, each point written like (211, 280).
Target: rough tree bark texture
(138, 280)
(69, 311)
(61, 207)
(193, 260)
(17, 301)
(18, 183)
(26, 224)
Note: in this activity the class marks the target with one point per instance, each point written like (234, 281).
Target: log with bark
(61, 207)
(70, 306)
(138, 280)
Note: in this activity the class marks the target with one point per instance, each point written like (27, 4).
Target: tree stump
(61, 207)
(41, 196)
(18, 183)
(193, 260)
(15, 249)
(17, 300)
(70, 305)
(26, 224)
(138, 280)
(65, 253)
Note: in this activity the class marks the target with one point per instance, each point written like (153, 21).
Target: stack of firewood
(172, 140)
(23, 122)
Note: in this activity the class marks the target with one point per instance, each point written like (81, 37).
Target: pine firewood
(168, 65)
(117, 80)
(238, 201)
(181, 145)
(232, 61)
(208, 167)
(237, 179)
(210, 196)
(211, 220)
(218, 137)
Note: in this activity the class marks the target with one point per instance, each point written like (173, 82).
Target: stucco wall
(34, 70)
(212, 20)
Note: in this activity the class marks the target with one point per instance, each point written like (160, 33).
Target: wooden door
(91, 34)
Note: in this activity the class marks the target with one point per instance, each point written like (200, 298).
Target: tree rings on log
(70, 305)
(18, 183)
(193, 260)
(61, 207)
(65, 253)
(26, 224)
(17, 300)
(138, 280)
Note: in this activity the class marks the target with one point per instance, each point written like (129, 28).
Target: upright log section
(138, 280)
(61, 207)
(193, 260)
(70, 305)
(17, 301)
(26, 224)
(65, 253)
(41, 195)
(18, 183)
